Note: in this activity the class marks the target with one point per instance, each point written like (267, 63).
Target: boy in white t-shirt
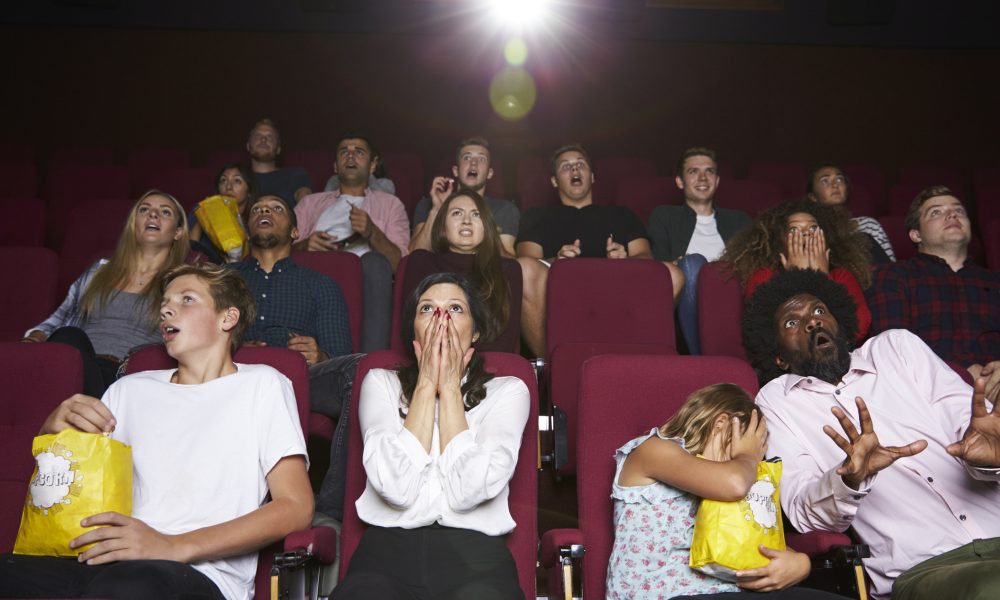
(210, 440)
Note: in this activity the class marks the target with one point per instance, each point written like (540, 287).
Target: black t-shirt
(556, 225)
(284, 182)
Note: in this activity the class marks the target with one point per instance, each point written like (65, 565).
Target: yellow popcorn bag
(726, 534)
(220, 220)
(76, 475)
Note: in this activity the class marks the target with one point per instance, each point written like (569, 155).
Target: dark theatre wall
(201, 90)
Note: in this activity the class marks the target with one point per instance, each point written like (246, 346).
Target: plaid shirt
(957, 313)
(294, 299)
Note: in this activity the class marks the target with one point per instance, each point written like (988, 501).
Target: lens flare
(515, 52)
(512, 93)
(519, 13)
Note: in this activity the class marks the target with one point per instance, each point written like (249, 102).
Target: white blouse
(465, 486)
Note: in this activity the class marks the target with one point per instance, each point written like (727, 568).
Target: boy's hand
(82, 412)
(123, 538)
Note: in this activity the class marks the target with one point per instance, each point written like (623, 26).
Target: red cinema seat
(612, 170)
(621, 397)
(523, 497)
(720, 311)
(319, 164)
(16, 153)
(928, 175)
(28, 229)
(143, 165)
(991, 235)
(30, 291)
(599, 306)
(72, 185)
(643, 194)
(18, 180)
(95, 227)
(534, 185)
(35, 378)
(790, 178)
(406, 170)
(899, 237)
(752, 197)
(217, 158)
(79, 155)
(901, 196)
(190, 185)
(872, 180)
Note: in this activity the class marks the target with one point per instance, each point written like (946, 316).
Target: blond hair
(693, 422)
(113, 275)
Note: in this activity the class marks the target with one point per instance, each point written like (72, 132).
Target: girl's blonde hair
(693, 422)
(115, 272)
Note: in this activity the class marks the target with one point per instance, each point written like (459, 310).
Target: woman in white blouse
(441, 440)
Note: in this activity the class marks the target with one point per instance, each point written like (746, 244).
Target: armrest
(554, 540)
(816, 543)
(319, 542)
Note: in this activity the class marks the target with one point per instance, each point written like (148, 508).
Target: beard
(264, 241)
(830, 363)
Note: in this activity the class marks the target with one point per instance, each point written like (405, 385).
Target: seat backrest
(28, 229)
(720, 311)
(216, 158)
(597, 306)
(901, 196)
(190, 185)
(34, 378)
(95, 226)
(928, 175)
(18, 180)
(643, 194)
(406, 170)
(623, 397)
(72, 185)
(895, 227)
(789, 177)
(32, 275)
(602, 300)
(752, 197)
(79, 155)
(533, 185)
(523, 497)
(612, 170)
(345, 269)
(395, 333)
(292, 365)
(317, 163)
(991, 235)
(144, 164)
(872, 179)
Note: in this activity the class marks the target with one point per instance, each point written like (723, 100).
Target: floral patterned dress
(653, 528)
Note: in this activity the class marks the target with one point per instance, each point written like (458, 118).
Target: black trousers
(51, 577)
(430, 562)
(98, 372)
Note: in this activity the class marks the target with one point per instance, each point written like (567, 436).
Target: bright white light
(519, 14)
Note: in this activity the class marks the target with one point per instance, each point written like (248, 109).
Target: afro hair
(760, 337)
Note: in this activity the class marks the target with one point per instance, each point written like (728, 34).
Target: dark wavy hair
(760, 331)
(487, 270)
(252, 189)
(474, 387)
(760, 246)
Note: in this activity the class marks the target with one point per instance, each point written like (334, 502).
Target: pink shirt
(917, 508)
(386, 211)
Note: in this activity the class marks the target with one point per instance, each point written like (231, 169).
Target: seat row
(620, 395)
(89, 172)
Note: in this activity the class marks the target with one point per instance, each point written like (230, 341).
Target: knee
(375, 262)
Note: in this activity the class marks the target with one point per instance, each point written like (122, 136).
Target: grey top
(121, 326)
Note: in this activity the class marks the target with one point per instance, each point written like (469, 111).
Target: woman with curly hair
(804, 235)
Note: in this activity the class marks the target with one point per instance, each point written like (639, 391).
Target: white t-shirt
(201, 453)
(466, 486)
(336, 220)
(706, 239)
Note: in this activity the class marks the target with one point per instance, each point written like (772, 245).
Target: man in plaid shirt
(939, 294)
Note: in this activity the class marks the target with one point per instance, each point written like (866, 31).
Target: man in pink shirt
(922, 492)
(364, 221)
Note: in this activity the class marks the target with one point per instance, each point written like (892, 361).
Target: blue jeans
(331, 384)
(687, 303)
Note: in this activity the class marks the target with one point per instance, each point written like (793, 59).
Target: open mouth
(821, 340)
(575, 180)
(152, 227)
(264, 222)
(169, 332)
(472, 174)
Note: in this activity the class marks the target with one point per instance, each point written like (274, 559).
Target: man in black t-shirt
(574, 227)
(264, 146)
